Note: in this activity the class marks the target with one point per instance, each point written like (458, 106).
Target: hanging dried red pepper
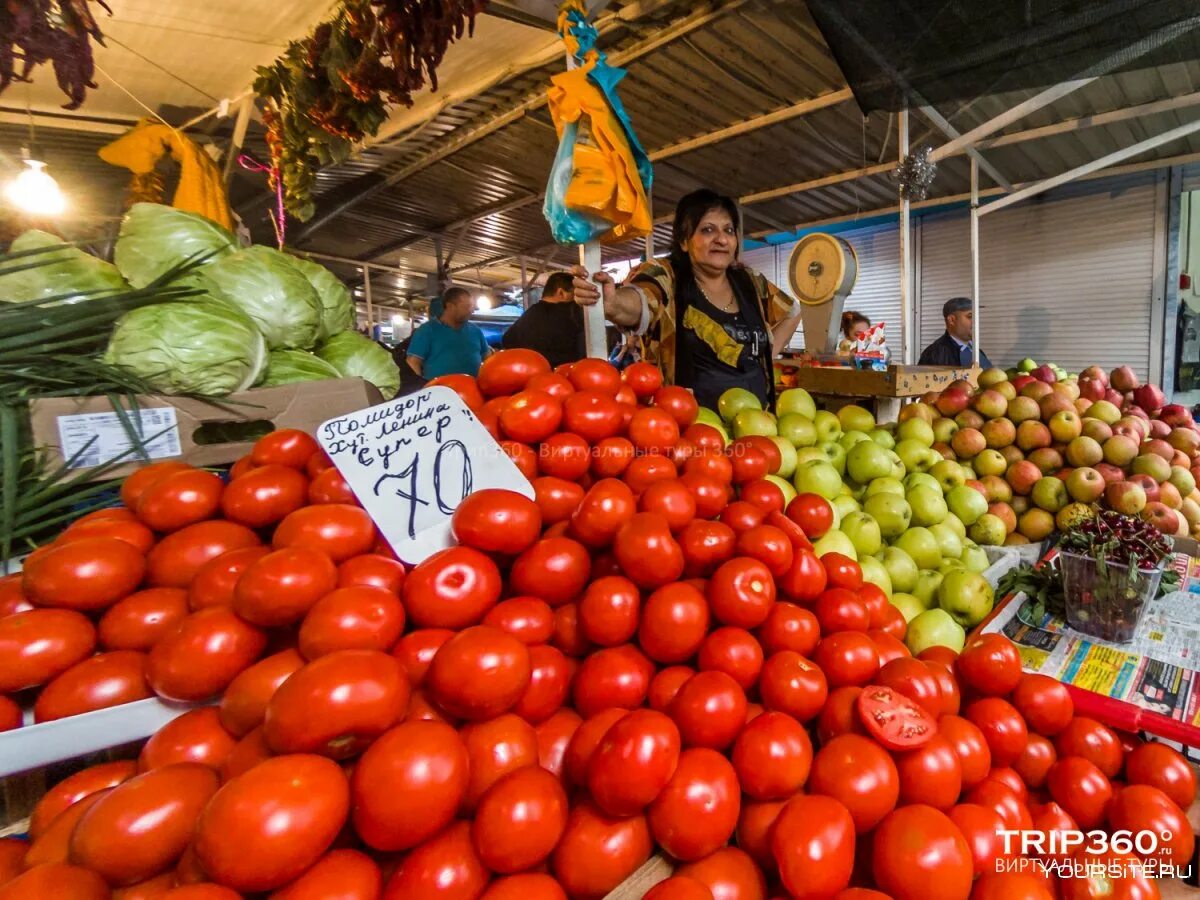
(54, 31)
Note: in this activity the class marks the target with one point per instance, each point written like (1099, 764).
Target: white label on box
(101, 437)
(412, 461)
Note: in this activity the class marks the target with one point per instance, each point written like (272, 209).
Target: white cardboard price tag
(412, 461)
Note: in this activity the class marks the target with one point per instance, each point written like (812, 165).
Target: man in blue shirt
(954, 347)
(449, 344)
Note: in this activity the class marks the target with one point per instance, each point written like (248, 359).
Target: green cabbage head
(204, 347)
(289, 366)
(355, 356)
(155, 238)
(337, 309)
(59, 271)
(267, 287)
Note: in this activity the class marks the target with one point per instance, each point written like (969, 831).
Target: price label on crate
(412, 461)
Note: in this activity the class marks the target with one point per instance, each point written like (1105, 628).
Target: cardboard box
(895, 381)
(208, 432)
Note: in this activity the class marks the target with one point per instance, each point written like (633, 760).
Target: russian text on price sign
(412, 461)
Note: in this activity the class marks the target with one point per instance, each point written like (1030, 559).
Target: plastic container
(1106, 604)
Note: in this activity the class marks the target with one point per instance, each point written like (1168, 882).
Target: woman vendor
(709, 322)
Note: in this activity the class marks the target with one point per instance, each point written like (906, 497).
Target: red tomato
(346, 874)
(553, 737)
(1035, 761)
(606, 506)
(565, 456)
(479, 673)
(598, 852)
(418, 767)
(12, 855)
(86, 574)
(317, 463)
(12, 597)
(633, 762)
(713, 464)
(40, 644)
(58, 880)
(749, 464)
(247, 753)
(806, 579)
(981, 828)
(678, 888)
(741, 593)
(337, 704)
(520, 820)
(54, 845)
(1104, 875)
(995, 885)
(1092, 740)
(251, 844)
(1140, 808)
(592, 415)
(1002, 727)
(793, 685)
(705, 437)
(202, 655)
(666, 685)
(876, 601)
(177, 558)
(643, 378)
(528, 619)
(735, 652)
(931, 774)
(11, 716)
(216, 580)
(839, 609)
(772, 757)
(136, 484)
(813, 845)
(847, 658)
(895, 625)
(338, 530)
(1052, 821)
(552, 383)
(894, 720)
(764, 494)
(948, 685)
(842, 571)
(710, 710)
(997, 794)
(285, 447)
(679, 402)
(179, 499)
(584, 742)
(729, 874)
(839, 715)
(453, 588)
(888, 647)
(523, 457)
(643, 471)
(494, 749)
(416, 651)
(971, 747)
(611, 457)
(753, 833)
(531, 416)
(789, 627)
(990, 665)
(705, 546)
(653, 430)
(104, 680)
(595, 375)
(859, 774)
(261, 497)
(549, 682)
(647, 552)
(918, 852)
(372, 570)
(508, 371)
(1044, 703)
(568, 637)
(142, 826)
(811, 512)
(74, 788)
(672, 500)
(138, 621)
(1164, 768)
(329, 486)
(244, 702)
(354, 618)
(741, 516)
(768, 545)
(529, 886)
(131, 532)
(281, 587)
(914, 680)
(608, 611)
(697, 812)
(553, 569)
(614, 676)
(674, 622)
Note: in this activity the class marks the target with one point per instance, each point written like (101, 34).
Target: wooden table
(884, 390)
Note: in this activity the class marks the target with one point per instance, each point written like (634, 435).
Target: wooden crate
(894, 381)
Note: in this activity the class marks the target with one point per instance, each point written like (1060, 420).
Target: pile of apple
(912, 520)
(1046, 453)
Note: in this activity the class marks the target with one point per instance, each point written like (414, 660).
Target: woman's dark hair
(849, 319)
(688, 213)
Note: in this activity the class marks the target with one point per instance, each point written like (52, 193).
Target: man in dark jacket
(954, 347)
(553, 326)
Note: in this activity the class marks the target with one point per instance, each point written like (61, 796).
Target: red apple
(1116, 398)
(1092, 389)
(952, 401)
(1149, 397)
(1022, 476)
(1181, 459)
(1044, 373)
(1055, 402)
(977, 485)
(1169, 495)
(1149, 485)
(1159, 428)
(1159, 447)
(1109, 472)
(1184, 439)
(1021, 380)
(1094, 373)
(1161, 517)
(1125, 497)
(1123, 378)
(1175, 415)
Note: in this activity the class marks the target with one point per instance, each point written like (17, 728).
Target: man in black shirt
(553, 326)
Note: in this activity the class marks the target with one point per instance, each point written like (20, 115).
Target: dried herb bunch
(332, 89)
(54, 31)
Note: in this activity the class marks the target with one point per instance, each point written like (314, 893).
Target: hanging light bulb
(35, 191)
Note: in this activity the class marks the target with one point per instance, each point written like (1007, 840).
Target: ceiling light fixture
(34, 190)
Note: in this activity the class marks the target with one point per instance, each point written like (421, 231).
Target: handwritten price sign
(413, 460)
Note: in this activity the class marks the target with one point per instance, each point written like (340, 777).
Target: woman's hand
(586, 291)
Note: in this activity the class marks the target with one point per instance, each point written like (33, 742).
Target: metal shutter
(1068, 281)
(1191, 177)
(762, 259)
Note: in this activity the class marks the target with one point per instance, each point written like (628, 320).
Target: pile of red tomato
(648, 657)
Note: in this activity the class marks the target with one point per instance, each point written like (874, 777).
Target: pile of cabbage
(256, 316)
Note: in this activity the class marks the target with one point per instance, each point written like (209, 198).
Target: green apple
(988, 529)
(947, 565)
(1183, 480)
(886, 485)
(916, 456)
(797, 429)
(974, 558)
(754, 421)
(834, 541)
(921, 545)
(916, 429)
(789, 492)
(943, 430)
(898, 469)
(855, 418)
(891, 511)
(950, 542)
(867, 461)
(844, 505)
(900, 568)
(1026, 365)
(948, 474)
(850, 438)
(1050, 494)
(787, 457)
(796, 401)
(966, 503)
(966, 596)
(734, 400)
(910, 607)
(706, 416)
(883, 438)
(808, 454)
(990, 462)
(957, 526)
(818, 477)
(835, 453)
(863, 532)
(874, 572)
(934, 628)
(827, 425)
(925, 590)
(918, 478)
(928, 504)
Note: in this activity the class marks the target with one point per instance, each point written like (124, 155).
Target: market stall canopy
(901, 55)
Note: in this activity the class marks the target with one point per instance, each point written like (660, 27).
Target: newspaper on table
(1158, 671)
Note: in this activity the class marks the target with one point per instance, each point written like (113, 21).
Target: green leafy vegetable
(355, 356)
(62, 271)
(289, 366)
(156, 238)
(267, 287)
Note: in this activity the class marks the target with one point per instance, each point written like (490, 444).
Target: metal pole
(366, 276)
(239, 135)
(906, 298)
(525, 304)
(975, 260)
